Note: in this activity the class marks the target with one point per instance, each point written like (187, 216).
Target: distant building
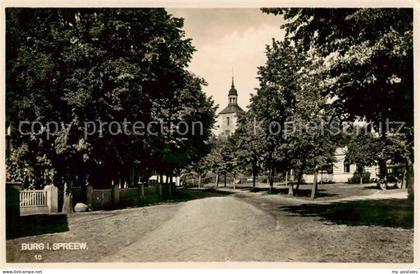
(228, 117)
(342, 170)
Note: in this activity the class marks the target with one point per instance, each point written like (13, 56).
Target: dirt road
(214, 229)
(231, 228)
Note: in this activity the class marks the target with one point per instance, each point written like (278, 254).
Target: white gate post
(52, 198)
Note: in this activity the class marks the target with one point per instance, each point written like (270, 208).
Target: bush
(356, 178)
(327, 181)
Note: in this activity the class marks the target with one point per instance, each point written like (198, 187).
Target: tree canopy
(370, 52)
(73, 66)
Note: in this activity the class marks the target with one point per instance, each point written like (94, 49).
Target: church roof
(232, 108)
(233, 90)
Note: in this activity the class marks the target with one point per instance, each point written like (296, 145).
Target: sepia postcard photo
(209, 135)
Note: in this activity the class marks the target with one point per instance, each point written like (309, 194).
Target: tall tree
(186, 120)
(370, 56)
(73, 66)
(313, 140)
(248, 148)
(292, 113)
(274, 102)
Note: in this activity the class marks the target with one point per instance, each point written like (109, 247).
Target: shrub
(356, 178)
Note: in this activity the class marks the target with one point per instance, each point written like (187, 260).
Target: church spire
(233, 93)
(233, 83)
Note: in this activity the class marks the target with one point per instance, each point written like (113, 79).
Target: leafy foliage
(369, 73)
(73, 66)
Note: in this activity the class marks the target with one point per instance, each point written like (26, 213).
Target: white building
(156, 179)
(342, 170)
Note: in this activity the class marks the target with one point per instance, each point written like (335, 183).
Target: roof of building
(232, 108)
(233, 90)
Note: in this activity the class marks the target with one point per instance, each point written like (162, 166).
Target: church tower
(233, 94)
(228, 117)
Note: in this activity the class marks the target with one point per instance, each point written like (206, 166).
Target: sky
(226, 40)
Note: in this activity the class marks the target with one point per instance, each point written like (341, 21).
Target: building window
(346, 166)
(227, 120)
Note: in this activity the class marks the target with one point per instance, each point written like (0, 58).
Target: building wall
(175, 179)
(340, 174)
(223, 126)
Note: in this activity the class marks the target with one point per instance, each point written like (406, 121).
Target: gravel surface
(105, 232)
(214, 229)
(251, 227)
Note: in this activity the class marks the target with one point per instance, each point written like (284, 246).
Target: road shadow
(372, 187)
(32, 225)
(187, 194)
(182, 194)
(319, 194)
(303, 193)
(385, 212)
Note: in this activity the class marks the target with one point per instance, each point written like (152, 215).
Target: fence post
(116, 194)
(89, 196)
(169, 187)
(138, 196)
(52, 198)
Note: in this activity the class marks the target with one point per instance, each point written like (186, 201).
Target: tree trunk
(199, 181)
(290, 185)
(410, 182)
(170, 187)
(161, 186)
(299, 181)
(406, 175)
(408, 179)
(290, 191)
(315, 184)
(131, 178)
(361, 171)
(382, 168)
(225, 180)
(217, 180)
(271, 180)
(404, 179)
(253, 180)
(166, 187)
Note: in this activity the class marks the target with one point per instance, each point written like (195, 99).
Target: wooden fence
(102, 199)
(129, 196)
(33, 198)
(114, 197)
(44, 201)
